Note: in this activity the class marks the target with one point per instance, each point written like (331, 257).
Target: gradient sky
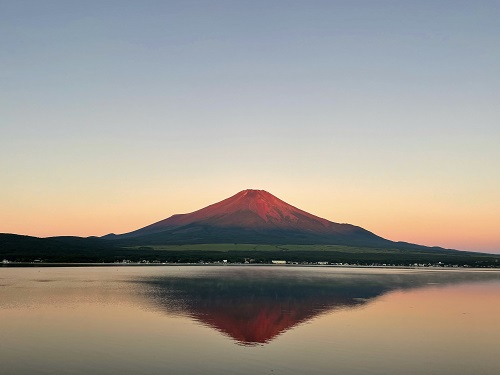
(383, 114)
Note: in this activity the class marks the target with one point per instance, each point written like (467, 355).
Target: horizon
(257, 190)
(119, 114)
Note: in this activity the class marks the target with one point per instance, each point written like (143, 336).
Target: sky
(382, 114)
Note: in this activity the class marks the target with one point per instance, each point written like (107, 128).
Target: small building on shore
(278, 261)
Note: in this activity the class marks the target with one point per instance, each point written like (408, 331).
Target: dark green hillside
(55, 249)
(16, 248)
(205, 234)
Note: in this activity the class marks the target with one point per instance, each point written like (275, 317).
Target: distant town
(278, 262)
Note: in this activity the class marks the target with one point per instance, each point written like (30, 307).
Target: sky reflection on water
(247, 320)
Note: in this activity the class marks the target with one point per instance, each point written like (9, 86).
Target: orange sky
(434, 222)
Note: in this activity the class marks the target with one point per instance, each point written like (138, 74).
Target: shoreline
(139, 264)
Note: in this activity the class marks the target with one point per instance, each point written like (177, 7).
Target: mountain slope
(253, 216)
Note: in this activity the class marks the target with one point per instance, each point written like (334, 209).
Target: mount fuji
(251, 216)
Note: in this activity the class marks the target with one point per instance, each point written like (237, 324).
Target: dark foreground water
(248, 320)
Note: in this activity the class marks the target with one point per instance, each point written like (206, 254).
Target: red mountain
(253, 216)
(248, 209)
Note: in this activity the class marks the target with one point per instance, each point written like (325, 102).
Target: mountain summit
(248, 209)
(251, 216)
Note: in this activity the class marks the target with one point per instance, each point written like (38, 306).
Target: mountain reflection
(254, 305)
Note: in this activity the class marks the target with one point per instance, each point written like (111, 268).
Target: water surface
(248, 320)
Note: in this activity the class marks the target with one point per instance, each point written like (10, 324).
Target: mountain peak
(254, 193)
(255, 208)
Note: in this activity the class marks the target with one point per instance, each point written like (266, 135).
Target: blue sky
(384, 114)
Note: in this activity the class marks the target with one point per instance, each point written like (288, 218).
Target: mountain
(22, 248)
(242, 223)
(251, 216)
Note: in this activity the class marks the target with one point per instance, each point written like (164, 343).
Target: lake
(248, 320)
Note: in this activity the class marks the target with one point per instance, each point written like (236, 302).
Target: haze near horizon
(378, 114)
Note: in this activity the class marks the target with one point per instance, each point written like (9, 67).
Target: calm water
(248, 320)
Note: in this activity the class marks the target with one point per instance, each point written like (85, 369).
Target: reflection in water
(146, 320)
(253, 305)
